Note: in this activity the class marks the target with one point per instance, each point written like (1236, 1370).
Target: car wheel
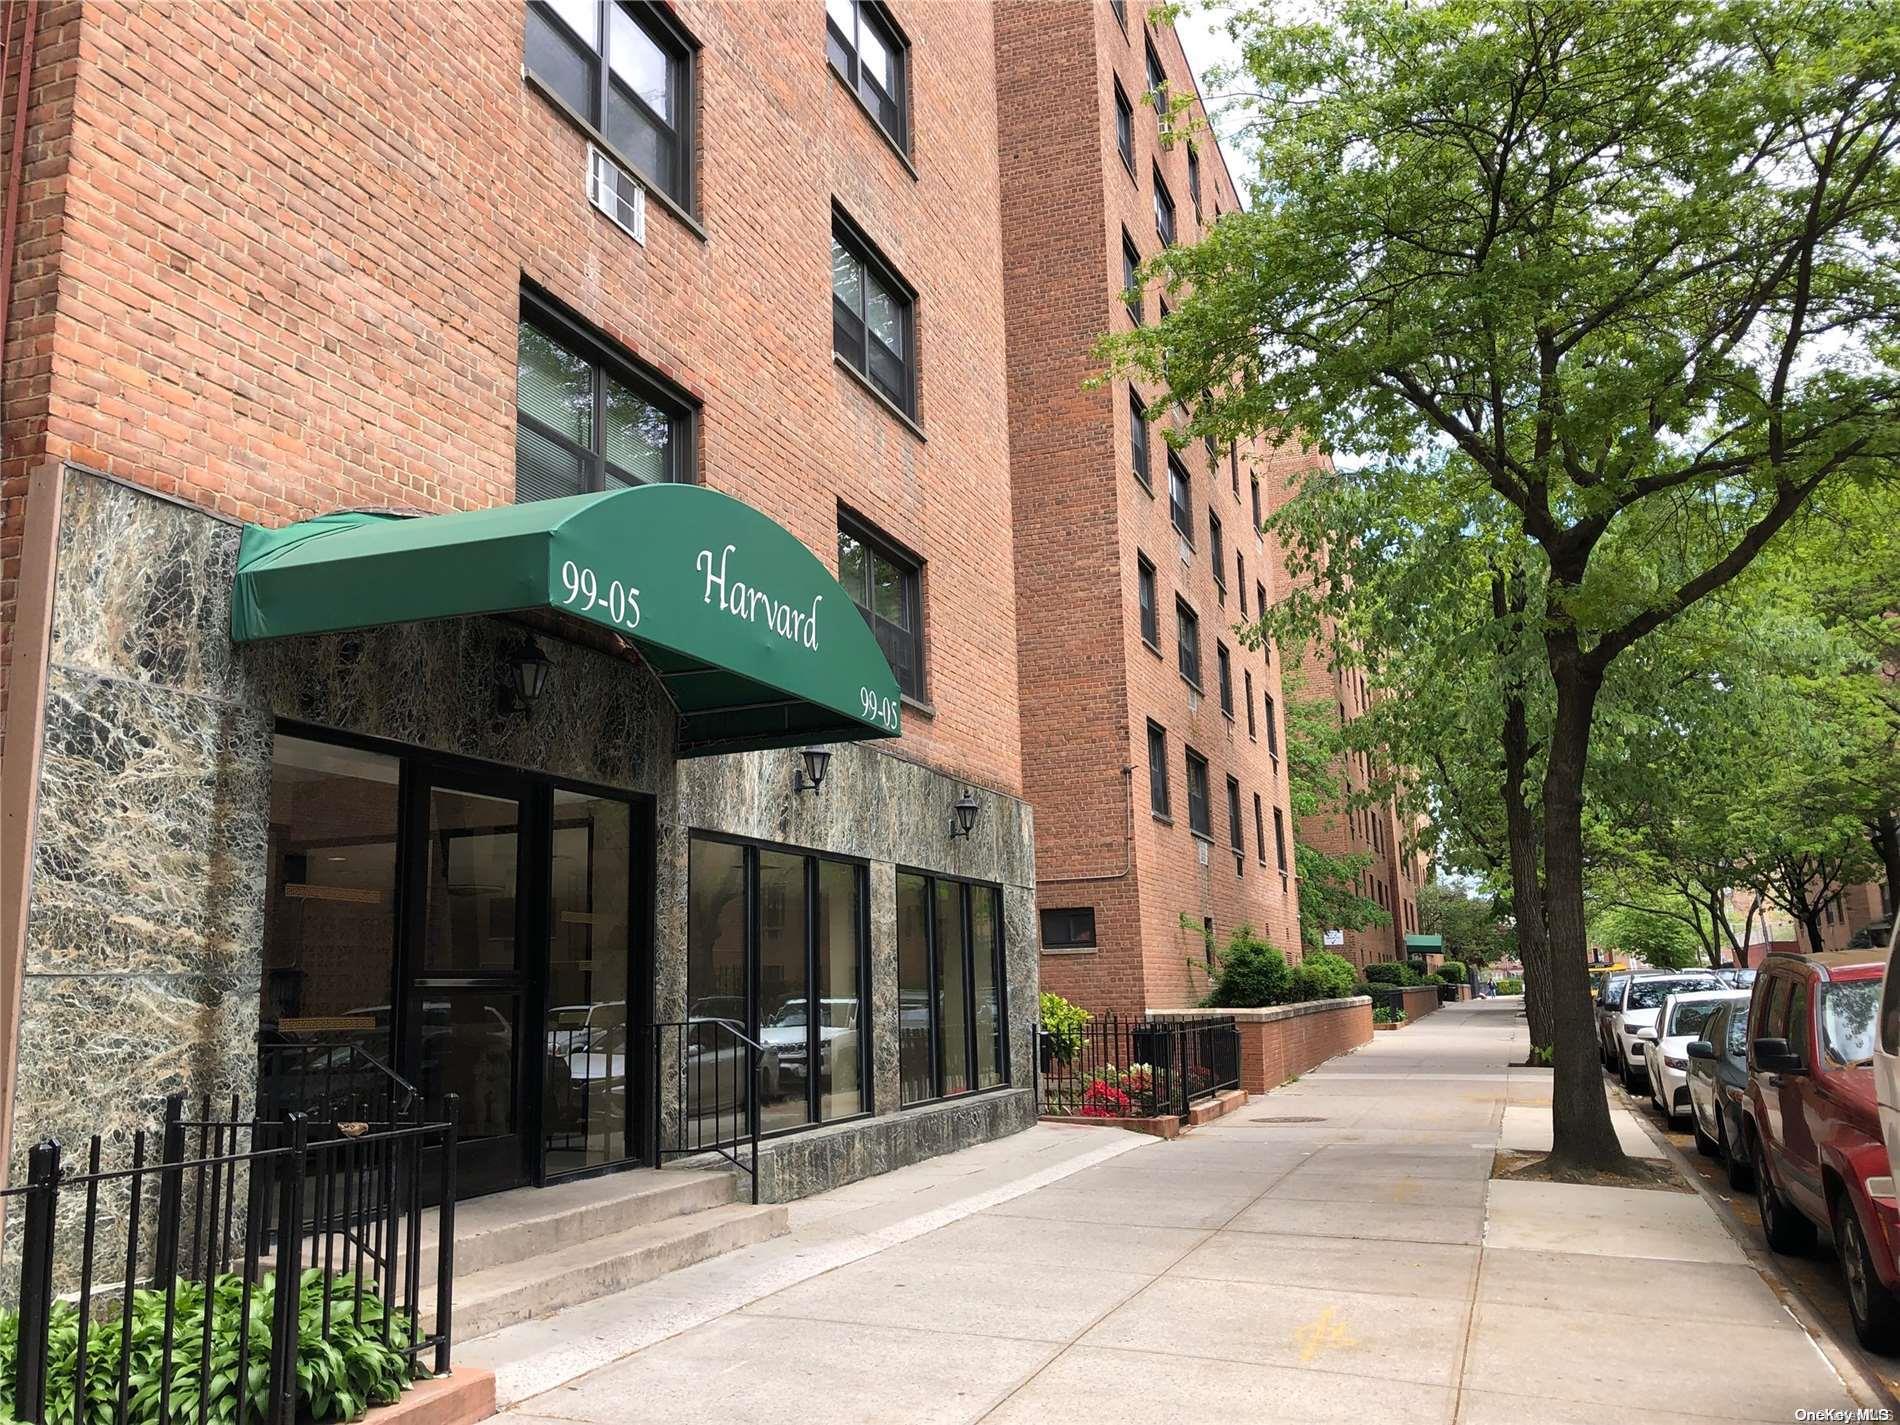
(1629, 1076)
(1704, 1144)
(1785, 1229)
(1876, 1314)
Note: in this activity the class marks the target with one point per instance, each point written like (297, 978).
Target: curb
(1862, 1383)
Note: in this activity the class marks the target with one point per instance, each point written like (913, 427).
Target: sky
(1201, 26)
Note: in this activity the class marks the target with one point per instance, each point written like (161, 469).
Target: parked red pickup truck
(1813, 1129)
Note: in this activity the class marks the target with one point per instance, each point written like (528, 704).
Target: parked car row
(1779, 1080)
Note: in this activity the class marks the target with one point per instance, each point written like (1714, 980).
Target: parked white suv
(1643, 999)
(1666, 1046)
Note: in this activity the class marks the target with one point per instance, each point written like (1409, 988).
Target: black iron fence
(230, 1271)
(1137, 1068)
(709, 1074)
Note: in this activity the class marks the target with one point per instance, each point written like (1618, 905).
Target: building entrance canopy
(757, 644)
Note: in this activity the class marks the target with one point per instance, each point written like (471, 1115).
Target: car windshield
(1738, 1030)
(1649, 994)
(1847, 1021)
(1613, 988)
(1692, 1016)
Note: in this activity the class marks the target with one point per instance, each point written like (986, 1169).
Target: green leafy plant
(1322, 975)
(1452, 972)
(340, 1373)
(1063, 1022)
(1511, 987)
(1383, 1015)
(1252, 974)
(1541, 1055)
(1391, 972)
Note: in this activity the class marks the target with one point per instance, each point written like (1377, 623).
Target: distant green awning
(1425, 942)
(757, 644)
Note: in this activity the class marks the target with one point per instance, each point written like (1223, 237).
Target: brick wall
(1082, 520)
(1278, 1043)
(290, 241)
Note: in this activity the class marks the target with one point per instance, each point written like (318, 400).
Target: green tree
(1659, 935)
(1316, 794)
(1474, 929)
(1615, 279)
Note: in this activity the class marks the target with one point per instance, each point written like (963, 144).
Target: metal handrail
(689, 1120)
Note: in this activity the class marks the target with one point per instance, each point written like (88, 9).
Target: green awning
(1425, 942)
(757, 644)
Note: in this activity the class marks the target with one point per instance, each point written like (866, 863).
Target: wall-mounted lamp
(527, 676)
(963, 815)
(811, 776)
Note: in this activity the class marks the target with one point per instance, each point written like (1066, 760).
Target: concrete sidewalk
(1336, 1250)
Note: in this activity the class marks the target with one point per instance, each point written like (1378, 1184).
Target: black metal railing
(708, 1073)
(231, 1270)
(1137, 1068)
(330, 1078)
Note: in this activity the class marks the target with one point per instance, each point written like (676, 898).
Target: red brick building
(276, 261)
(1151, 736)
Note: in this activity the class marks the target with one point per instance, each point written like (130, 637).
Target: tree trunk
(1527, 887)
(1582, 1138)
(1885, 832)
(1811, 922)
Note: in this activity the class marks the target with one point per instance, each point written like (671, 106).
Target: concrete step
(527, 1223)
(520, 1289)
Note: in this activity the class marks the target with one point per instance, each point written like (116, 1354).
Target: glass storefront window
(775, 947)
(590, 893)
(950, 981)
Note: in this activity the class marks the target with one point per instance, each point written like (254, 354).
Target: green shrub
(1252, 974)
(1510, 987)
(1361, 988)
(1452, 972)
(1322, 975)
(338, 1376)
(1390, 972)
(1382, 1015)
(1063, 1022)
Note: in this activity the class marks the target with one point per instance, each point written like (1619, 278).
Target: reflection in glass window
(871, 318)
(840, 998)
(784, 995)
(953, 1009)
(863, 46)
(950, 974)
(913, 989)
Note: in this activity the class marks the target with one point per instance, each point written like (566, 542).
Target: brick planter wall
(1289, 1039)
(1420, 1000)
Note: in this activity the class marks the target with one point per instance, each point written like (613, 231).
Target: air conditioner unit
(618, 194)
(1201, 848)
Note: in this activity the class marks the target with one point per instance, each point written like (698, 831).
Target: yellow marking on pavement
(1323, 1333)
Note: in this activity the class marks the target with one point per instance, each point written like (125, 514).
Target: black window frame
(1155, 74)
(1124, 128)
(858, 245)
(1132, 296)
(1273, 730)
(1279, 840)
(1259, 831)
(842, 56)
(1187, 637)
(1224, 674)
(912, 682)
(1180, 510)
(604, 360)
(1194, 179)
(754, 1019)
(1147, 601)
(678, 190)
(1240, 581)
(1120, 9)
(1073, 936)
(1260, 608)
(1165, 213)
(999, 971)
(1160, 800)
(1236, 831)
(1255, 479)
(1217, 552)
(1200, 823)
(1246, 676)
(1139, 446)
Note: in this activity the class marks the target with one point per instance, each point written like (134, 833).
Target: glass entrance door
(467, 985)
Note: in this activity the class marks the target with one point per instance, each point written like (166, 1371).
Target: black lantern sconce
(811, 776)
(963, 816)
(527, 676)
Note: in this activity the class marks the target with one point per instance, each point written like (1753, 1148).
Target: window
(1233, 467)
(1194, 179)
(1279, 840)
(1180, 507)
(1235, 837)
(1259, 832)
(951, 1010)
(1069, 929)
(1157, 77)
(1260, 605)
(626, 71)
(1138, 439)
(873, 321)
(1131, 284)
(1257, 521)
(1120, 7)
(1164, 211)
(1158, 770)
(1187, 638)
(1198, 815)
(1224, 670)
(1124, 128)
(586, 422)
(775, 944)
(1246, 678)
(1240, 581)
(1217, 552)
(869, 54)
(886, 585)
(1273, 731)
(1145, 598)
